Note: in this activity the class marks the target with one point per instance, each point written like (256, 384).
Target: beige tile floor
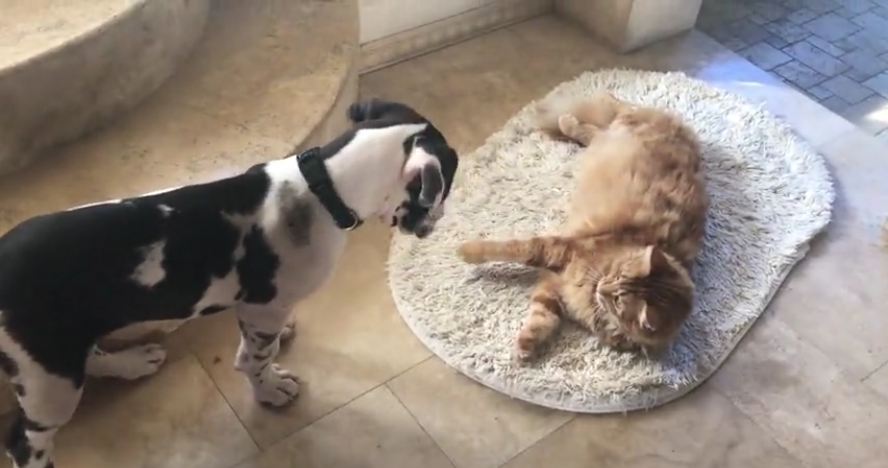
(807, 387)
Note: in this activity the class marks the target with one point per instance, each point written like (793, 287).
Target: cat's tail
(550, 252)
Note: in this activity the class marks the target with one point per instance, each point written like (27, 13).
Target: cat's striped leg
(544, 317)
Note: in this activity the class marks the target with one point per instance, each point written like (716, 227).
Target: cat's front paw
(472, 251)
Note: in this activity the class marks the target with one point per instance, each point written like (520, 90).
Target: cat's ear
(644, 321)
(652, 260)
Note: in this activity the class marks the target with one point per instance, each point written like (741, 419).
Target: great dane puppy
(257, 243)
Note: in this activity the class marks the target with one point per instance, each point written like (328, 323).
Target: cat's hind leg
(573, 129)
(543, 319)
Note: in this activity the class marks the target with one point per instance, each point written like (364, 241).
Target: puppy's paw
(128, 364)
(472, 251)
(278, 388)
(288, 332)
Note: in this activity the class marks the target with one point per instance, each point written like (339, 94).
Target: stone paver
(871, 115)
(815, 58)
(765, 56)
(748, 31)
(768, 10)
(831, 27)
(776, 42)
(787, 30)
(821, 6)
(799, 74)
(834, 51)
(873, 23)
(864, 64)
(879, 83)
(801, 16)
(864, 40)
(819, 92)
(847, 89)
(858, 6)
(826, 46)
(835, 104)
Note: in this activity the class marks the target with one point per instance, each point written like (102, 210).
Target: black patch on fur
(65, 277)
(213, 309)
(39, 454)
(298, 214)
(257, 268)
(17, 444)
(7, 365)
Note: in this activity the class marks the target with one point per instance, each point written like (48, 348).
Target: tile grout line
(756, 424)
(206, 371)
(344, 404)
(421, 427)
(560, 427)
(876, 370)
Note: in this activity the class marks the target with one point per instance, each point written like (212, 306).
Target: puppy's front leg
(261, 328)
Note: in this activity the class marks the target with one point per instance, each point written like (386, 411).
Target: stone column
(629, 24)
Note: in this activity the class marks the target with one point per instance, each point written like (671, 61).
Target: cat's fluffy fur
(621, 265)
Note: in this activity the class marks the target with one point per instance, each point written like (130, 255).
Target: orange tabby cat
(621, 266)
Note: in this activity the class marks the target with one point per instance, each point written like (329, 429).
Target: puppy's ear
(361, 111)
(428, 168)
(379, 109)
(432, 184)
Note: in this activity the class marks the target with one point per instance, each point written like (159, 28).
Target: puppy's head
(429, 166)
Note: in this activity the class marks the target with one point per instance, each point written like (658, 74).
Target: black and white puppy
(257, 243)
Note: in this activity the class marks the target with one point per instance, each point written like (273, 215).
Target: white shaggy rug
(771, 193)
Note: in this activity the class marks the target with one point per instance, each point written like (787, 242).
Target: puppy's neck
(368, 171)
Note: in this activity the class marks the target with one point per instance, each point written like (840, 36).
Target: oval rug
(770, 194)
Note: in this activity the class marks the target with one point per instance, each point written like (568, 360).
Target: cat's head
(649, 292)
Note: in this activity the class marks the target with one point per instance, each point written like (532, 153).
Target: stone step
(68, 66)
